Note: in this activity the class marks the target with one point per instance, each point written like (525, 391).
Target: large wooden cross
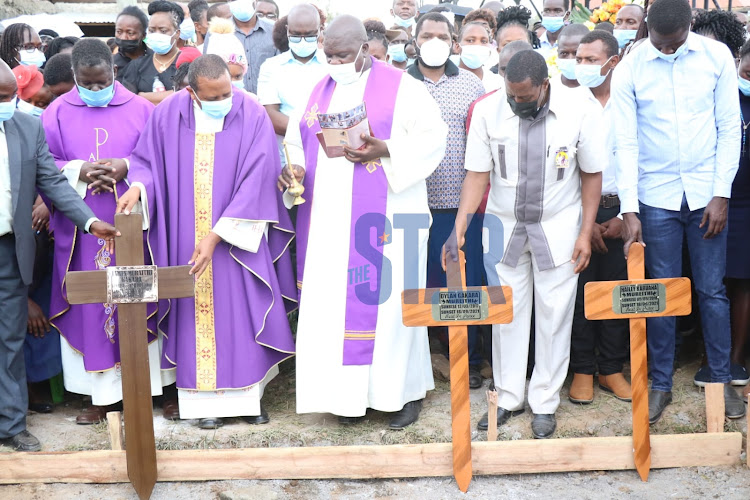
(457, 307)
(131, 285)
(637, 299)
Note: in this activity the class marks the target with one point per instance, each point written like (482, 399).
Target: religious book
(343, 129)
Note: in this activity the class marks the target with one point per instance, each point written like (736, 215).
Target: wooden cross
(457, 307)
(120, 287)
(638, 299)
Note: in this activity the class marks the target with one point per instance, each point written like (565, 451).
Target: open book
(343, 129)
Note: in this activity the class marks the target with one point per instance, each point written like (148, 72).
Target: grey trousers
(14, 398)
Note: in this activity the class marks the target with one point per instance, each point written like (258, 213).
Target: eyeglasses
(298, 39)
(28, 47)
(261, 15)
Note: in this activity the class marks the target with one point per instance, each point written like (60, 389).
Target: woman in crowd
(21, 45)
(476, 49)
(130, 30)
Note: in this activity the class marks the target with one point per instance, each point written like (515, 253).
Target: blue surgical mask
(553, 24)
(242, 10)
(187, 29)
(397, 52)
(96, 98)
(7, 109)
(303, 48)
(404, 23)
(29, 109)
(670, 57)
(159, 42)
(239, 84)
(474, 56)
(624, 37)
(590, 75)
(744, 86)
(33, 58)
(567, 67)
(216, 109)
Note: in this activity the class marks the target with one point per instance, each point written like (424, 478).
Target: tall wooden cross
(637, 299)
(131, 285)
(457, 307)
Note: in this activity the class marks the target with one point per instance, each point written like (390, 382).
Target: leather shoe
(23, 441)
(581, 389)
(503, 416)
(617, 385)
(258, 419)
(171, 409)
(734, 407)
(407, 416)
(543, 425)
(40, 407)
(92, 415)
(349, 420)
(475, 377)
(210, 423)
(657, 401)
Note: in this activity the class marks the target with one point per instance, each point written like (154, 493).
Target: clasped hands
(102, 175)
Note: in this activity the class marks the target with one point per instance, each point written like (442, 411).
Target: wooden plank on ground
(114, 426)
(715, 407)
(361, 462)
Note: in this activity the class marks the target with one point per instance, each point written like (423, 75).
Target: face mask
(97, 98)
(29, 108)
(744, 86)
(671, 57)
(345, 74)
(553, 24)
(404, 23)
(434, 52)
(187, 29)
(303, 48)
(524, 110)
(239, 84)
(397, 52)
(216, 109)
(33, 58)
(624, 37)
(567, 67)
(474, 56)
(159, 43)
(590, 75)
(7, 109)
(243, 10)
(128, 46)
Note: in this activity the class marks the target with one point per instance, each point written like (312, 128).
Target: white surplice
(401, 370)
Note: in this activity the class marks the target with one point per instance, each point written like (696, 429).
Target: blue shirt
(288, 82)
(677, 126)
(258, 46)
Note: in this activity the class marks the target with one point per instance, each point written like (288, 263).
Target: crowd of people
(543, 151)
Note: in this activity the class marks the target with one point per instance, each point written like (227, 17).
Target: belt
(609, 201)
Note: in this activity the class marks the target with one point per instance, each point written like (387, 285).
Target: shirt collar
(450, 70)
(693, 43)
(543, 40)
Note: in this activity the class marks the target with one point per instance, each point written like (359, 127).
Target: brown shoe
(617, 385)
(171, 409)
(582, 389)
(92, 415)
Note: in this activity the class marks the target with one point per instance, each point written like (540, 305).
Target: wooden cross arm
(87, 287)
(417, 306)
(600, 296)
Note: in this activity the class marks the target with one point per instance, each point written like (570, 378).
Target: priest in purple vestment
(204, 172)
(91, 132)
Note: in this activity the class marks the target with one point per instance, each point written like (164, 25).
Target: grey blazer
(32, 167)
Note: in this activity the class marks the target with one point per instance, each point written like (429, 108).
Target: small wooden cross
(638, 299)
(457, 307)
(131, 288)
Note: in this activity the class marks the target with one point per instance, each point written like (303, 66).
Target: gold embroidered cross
(373, 165)
(311, 116)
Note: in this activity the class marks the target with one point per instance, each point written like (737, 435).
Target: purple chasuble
(369, 203)
(76, 131)
(251, 293)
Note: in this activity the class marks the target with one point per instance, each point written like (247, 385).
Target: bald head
(509, 51)
(346, 42)
(8, 84)
(303, 19)
(347, 27)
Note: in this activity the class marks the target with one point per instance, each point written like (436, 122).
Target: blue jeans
(663, 232)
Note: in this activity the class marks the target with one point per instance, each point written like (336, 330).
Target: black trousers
(14, 400)
(600, 343)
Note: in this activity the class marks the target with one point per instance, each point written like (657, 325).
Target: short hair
(208, 66)
(745, 50)
(515, 47)
(59, 69)
(213, 9)
(481, 15)
(724, 26)
(112, 44)
(669, 16)
(280, 34)
(11, 40)
(178, 15)
(59, 44)
(181, 73)
(91, 52)
(527, 64)
(272, 2)
(133, 11)
(605, 26)
(566, 4)
(611, 47)
(376, 31)
(575, 29)
(432, 16)
(196, 9)
(474, 23)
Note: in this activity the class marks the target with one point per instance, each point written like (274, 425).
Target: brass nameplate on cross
(132, 284)
(639, 298)
(460, 305)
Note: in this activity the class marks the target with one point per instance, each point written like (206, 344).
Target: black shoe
(657, 401)
(734, 407)
(407, 416)
(475, 377)
(210, 423)
(502, 416)
(543, 425)
(23, 441)
(350, 420)
(40, 407)
(258, 419)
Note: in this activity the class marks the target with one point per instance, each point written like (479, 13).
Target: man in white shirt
(542, 148)
(677, 109)
(554, 15)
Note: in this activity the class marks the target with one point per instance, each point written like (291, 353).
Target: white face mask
(434, 52)
(29, 108)
(346, 73)
(33, 58)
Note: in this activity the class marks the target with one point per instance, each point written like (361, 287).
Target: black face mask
(524, 110)
(128, 46)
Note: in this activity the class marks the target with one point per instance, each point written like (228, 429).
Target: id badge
(562, 161)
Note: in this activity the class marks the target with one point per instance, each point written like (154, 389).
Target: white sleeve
(591, 156)
(478, 150)
(72, 172)
(244, 234)
(142, 206)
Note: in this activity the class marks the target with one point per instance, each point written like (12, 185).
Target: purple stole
(369, 198)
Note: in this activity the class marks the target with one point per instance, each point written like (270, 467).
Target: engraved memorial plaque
(639, 298)
(460, 305)
(132, 284)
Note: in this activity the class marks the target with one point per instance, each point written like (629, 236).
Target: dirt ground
(607, 416)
